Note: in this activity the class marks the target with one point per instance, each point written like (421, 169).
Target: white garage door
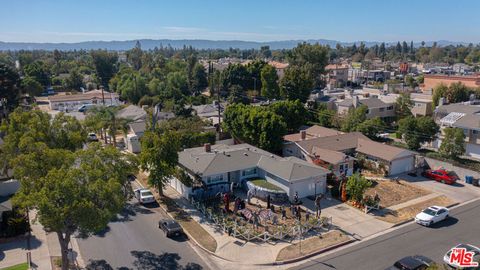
(307, 188)
(472, 150)
(402, 165)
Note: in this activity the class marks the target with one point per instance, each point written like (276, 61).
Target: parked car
(170, 227)
(417, 262)
(443, 176)
(144, 195)
(432, 214)
(85, 107)
(92, 137)
(469, 248)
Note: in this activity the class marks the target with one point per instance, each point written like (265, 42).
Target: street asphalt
(134, 241)
(463, 226)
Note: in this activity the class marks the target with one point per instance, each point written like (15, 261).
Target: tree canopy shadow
(166, 261)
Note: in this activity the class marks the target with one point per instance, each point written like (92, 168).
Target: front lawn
(22, 266)
(264, 184)
(312, 245)
(393, 192)
(409, 212)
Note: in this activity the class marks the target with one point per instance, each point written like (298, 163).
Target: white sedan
(144, 195)
(432, 214)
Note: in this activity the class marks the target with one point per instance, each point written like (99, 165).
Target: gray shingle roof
(132, 112)
(381, 151)
(228, 158)
(458, 107)
(469, 121)
(340, 142)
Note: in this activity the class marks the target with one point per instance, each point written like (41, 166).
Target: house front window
(215, 179)
(382, 109)
(249, 172)
(389, 108)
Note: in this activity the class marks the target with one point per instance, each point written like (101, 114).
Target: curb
(190, 237)
(412, 219)
(311, 254)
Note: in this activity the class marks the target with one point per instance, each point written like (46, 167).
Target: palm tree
(106, 118)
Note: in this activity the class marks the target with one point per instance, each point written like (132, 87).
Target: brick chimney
(208, 147)
(303, 134)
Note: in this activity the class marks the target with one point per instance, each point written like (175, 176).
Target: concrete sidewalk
(349, 219)
(15, 252)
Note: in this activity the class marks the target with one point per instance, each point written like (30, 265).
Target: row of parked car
(170, 227)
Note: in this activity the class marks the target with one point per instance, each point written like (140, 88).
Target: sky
(260, 20)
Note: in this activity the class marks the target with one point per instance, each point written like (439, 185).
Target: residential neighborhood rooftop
(225, 158)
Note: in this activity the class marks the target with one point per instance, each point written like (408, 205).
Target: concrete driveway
(459, 192)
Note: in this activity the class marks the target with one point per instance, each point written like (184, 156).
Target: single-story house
(216, 166)
(337, 152)
(396, 160)
(74, 101)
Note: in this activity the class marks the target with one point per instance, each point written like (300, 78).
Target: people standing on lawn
(268, 201)
(284, 213)
(307, 215)
(299, 214)
(318, 206)
(295, 198)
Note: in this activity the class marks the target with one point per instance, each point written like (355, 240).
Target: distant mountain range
(196, 43)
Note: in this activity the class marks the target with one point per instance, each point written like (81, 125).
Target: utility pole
(219, 108)
(103, 96)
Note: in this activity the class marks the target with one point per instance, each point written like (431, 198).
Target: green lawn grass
(22, 266)
(264, 184)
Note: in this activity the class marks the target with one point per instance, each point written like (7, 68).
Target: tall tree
(371, 127)
(269, 78)
(296, 83)
(457, 92)
(354, 117)
(135, 55)
(105, 63)
(159, 157)
(416, 131)
(294, 113)
(438, 92)
(9, 82)
(453, 143)
(76, 193)
(31, 86)
(255, 125)
(39, 71)
(74, 80)
(403, 105)
(199, 79)
(313, 57)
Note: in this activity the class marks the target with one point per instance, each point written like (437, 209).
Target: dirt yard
(311, 245)
(393, 192)
(406, 213)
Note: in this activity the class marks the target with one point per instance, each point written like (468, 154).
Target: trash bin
(475, 182)
(468, 179)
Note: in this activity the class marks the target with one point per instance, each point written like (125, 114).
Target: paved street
(135, 241)
(381, 252)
